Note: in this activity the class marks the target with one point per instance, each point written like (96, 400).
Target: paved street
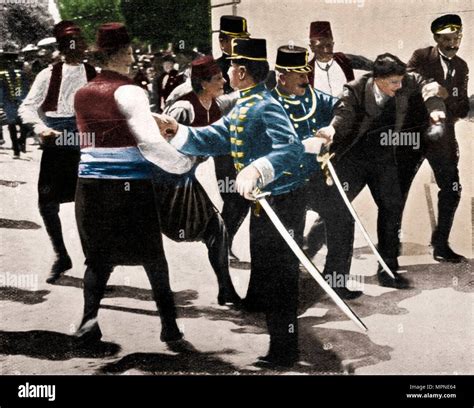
(428, 329)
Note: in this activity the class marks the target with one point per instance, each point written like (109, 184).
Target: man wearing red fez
(117, 209)
(182, 197)
(450, 71)
(49, 107)
(331, 70)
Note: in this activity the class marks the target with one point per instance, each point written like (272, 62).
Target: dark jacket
(426, 62)
(356, 109)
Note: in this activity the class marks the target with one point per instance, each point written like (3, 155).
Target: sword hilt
(323, 159)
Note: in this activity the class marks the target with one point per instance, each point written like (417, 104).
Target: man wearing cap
(371, 109)
(49, 107)
(442, 64)
(235, 207)
(14, 86)
(265, 149)
(309, 110)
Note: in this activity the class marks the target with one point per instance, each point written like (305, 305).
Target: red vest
(51, 101)
(98, 113)
(201, 116)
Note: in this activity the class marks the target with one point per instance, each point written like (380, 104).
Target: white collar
(380, 97)
(442, 55)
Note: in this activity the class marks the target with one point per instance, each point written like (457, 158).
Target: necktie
(449, 64)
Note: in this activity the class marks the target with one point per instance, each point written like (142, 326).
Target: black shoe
(170, 335)
(347, 294)
(230, 298)
(23, 148)
(88, 334)
(272, 361)
(181, 346)
(445, 254)
(60, 266)
(386, 280)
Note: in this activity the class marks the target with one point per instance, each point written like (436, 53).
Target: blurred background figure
(14, 86)
(168, 80)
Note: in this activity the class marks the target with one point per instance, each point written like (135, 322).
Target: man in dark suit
(443, 65)
(368, 118)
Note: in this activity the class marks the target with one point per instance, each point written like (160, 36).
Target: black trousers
(95, 282)
(274, 271)
(18, 143)
(235, 207)
(380, 174)
(443, 157)
(328, 203)
(215, 238)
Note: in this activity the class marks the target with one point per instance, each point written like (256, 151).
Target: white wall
(366, 27)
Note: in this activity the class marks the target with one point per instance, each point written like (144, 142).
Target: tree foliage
(184, 23)
(90, 14)
(24, 24)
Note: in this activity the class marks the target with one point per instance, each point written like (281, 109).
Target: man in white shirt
(331, 70)
(49, 107)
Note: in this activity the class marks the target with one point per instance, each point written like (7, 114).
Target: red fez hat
(112, 36)
(64, 29)
(320, 29)
(204, 67)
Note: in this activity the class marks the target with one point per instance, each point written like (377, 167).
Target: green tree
(184, 23)
(24, 24)
(90, 14)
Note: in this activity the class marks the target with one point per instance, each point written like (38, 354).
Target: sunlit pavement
(427, 329)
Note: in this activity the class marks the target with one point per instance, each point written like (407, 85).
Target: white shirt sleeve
(133, 104)
(29, 109)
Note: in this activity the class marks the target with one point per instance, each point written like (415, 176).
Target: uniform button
(313, 120)
(287, 106)
(296, 126)
(306, 99)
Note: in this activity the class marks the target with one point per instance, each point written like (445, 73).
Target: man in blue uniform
(235, 207)
(266, 150)
(309, 110)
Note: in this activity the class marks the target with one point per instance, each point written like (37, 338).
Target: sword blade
(357, 219)
(314, 272)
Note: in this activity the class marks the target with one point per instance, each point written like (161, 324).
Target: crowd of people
(268, 131)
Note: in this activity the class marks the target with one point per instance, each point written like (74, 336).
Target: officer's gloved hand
(246, 181)
(313, 145)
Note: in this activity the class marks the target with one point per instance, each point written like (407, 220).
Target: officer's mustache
(452, 48)
(303, 86)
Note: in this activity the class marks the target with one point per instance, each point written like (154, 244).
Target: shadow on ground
(407, 249)
(28, 297)
(18, 224)
(189, 362)
(48, 345)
